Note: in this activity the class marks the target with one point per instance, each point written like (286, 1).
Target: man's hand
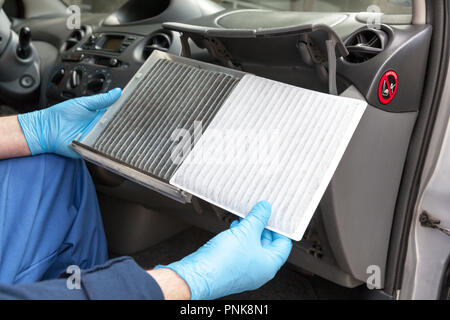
(52, 130)
(242, 258)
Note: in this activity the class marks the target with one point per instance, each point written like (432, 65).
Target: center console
(100, 61)
(95, 62)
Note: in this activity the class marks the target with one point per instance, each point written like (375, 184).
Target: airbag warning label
(388, 87)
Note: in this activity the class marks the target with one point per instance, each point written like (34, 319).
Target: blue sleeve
(119, 279)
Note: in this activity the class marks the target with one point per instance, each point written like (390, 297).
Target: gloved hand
(52, 130)
(242, 258)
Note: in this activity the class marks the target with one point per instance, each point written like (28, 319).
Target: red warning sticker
(388, 87)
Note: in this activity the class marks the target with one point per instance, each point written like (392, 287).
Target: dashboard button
(59, 75)
(113, 62)
(27, 81)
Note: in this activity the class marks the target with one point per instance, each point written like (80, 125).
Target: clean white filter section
(275, 142)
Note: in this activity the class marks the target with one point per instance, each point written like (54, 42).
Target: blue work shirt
(118, 279)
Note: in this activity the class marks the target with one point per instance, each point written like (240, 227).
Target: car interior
(389, 58)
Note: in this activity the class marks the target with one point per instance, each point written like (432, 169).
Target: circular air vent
(160, 40)
(75, 37)
(365, 44)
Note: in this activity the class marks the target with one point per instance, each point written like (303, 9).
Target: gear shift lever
(20, 63)
(23, 48)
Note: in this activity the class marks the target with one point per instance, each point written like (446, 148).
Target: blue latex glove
(52, 130)
(243, 258)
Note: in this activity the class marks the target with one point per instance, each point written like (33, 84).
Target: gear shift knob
(24, 49)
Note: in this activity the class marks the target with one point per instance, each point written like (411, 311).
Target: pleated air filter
(168, 94)
(261, 140)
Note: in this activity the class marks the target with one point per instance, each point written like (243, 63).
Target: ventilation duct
(365, 44)
(75, 37)
(161, 41)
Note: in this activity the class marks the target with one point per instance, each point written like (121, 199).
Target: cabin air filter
(186, 128)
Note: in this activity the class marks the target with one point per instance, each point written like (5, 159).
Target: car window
(385, 6)
(96, 6)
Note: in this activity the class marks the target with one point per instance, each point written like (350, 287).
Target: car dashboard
(351, 228)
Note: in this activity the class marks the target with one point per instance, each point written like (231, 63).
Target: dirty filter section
(171, 96)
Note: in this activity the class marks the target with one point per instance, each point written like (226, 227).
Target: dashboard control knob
(96, 85)
(75, 79)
